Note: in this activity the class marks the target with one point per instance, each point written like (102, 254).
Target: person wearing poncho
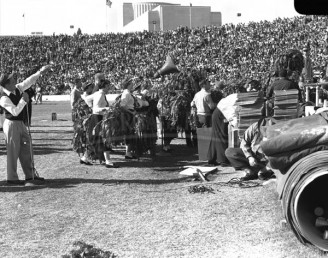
(82, 112)
(129, 103)
(75, 92)
(99, 105)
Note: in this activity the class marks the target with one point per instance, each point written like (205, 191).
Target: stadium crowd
(231, 56)
(226, 53)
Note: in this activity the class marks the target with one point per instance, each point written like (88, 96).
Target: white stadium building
(156, 15)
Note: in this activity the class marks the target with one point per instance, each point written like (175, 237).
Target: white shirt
(228, 107)
(203, 102)
(127, 101)
(7, 104)
(98, 102)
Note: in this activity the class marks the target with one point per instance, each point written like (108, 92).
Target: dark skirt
(129, 137)
(169, 131)
(219, 138)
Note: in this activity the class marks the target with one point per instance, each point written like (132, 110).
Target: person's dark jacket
(28, 108)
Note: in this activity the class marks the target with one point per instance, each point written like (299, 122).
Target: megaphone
(167, 68)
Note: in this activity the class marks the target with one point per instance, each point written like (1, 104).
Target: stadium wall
(174, 16)
(216, 19)
(140, 24)
(169, 17)
(128, 13)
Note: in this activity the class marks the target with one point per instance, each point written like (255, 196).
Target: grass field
(142, 209)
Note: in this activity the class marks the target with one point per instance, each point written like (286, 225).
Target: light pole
(0, 16)
(190, 16)
(154, 24)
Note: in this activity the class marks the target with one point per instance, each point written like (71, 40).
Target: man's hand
(45, 68)
(252, 162)
(26, 97)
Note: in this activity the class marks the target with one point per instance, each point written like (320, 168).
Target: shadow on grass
(50, 139)
(38, 125)
(48, 151)
(161, 165)
(73, 182)
(53, 131)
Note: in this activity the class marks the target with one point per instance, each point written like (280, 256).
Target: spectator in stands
(307, 72)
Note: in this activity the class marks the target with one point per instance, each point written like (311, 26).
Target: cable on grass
(200, 189)
(236, 182)
(204, 186)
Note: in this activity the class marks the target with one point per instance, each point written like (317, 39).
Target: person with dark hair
(100, 105)
(75, 94)
(169, 131)
(129, 103)
(82, 111)
(282, 83)
(249, 156)
(216, 92)
(18, 142)
(204, 104)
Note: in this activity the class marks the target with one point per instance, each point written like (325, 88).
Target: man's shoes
(250, 175)
(34, 182)
(15, 182)
(85, 162)
(223, 164)
(213, 163)
(130, 157)
(266, 174)
(167, 148)
(113, 165)
(38, 178)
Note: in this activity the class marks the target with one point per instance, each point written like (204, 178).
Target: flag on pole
(109, 3)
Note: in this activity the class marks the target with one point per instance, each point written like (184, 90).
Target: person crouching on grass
(14, 101)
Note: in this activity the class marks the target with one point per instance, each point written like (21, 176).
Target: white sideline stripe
(110, 97)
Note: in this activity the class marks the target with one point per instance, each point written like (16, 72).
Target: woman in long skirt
(219, 139)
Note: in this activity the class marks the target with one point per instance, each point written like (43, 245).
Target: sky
(22, 17)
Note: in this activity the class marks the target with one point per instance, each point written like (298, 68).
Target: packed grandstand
(227, 53)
